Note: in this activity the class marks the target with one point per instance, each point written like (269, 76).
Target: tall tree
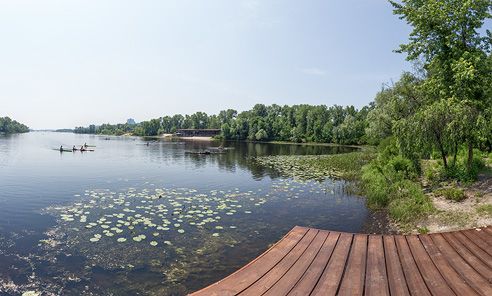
(446, 37)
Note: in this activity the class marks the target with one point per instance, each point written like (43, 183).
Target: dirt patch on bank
(474, 211)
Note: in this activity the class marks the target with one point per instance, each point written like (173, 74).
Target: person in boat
(61, 148)
(73, 148)
(82, 148)
(85, 145)
(147, 144)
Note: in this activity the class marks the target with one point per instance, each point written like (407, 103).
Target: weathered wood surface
(310, 261)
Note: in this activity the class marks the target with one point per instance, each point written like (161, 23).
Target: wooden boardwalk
(310, 261)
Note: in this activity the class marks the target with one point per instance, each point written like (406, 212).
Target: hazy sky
(67, 63)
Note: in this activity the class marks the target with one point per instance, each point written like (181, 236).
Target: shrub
(454, 194)
(408, 202)
(432, 172)
(402, 167)
(375, 186)
(460, 171)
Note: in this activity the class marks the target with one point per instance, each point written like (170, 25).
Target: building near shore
(192, 132)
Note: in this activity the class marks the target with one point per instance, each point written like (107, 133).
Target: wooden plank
(396, 278)
(247, 275)
(376, 278)
(470, 234)
(453, 279)
(473, 278)
(308, 281)
(332, 275)
(472, 247)
(414, 279)
(288, 281)
(431, 275)
(272, 276)
(483, 234)
(469, 257)
(315, 262)
(354, 275)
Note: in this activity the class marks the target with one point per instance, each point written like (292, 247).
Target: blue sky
(68, 63)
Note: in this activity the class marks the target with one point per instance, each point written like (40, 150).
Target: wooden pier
(310, 261)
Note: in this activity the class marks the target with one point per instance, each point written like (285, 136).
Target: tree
(261, 135)
(446, 38)
(9, 126)
(402, 99)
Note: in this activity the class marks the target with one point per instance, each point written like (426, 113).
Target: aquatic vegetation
(175, 232)
(344, 166)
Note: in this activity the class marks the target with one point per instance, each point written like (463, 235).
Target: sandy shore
(196, 138)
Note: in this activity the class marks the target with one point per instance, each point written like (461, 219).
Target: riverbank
(459, 206)
(474, 209)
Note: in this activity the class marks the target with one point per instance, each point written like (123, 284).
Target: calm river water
(132, 219)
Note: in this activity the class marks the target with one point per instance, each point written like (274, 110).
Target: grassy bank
(419, 195)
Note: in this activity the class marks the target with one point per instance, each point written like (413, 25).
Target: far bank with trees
(10, 126)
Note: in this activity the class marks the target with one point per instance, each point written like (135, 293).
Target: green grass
(454, 194)
(485, 210)
(457, 218)
(408, 203)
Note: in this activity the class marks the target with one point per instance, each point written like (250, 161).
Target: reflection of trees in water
(241, 155)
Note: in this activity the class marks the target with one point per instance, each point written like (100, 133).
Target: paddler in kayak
(61, 148)
(73, 148)
(82, 148)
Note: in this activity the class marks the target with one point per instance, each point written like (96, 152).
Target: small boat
(90, 145)
(63, 150)
(83, 150)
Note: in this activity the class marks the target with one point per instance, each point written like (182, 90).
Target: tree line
(298, 123)
(9, 126)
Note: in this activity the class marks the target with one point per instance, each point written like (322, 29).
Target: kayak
(90, 145)
(63, 150)
(84, 150)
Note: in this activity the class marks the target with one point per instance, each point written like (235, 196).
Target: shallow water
(132, 219)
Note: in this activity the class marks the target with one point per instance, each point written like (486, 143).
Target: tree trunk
(455, 152)
(444, 160)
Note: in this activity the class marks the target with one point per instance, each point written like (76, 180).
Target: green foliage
(390, 181)
(391, 104)
(454, 194)
(9, 126)
(408, 202)
(455, 57)
(375, 186)
(261, 135)
(461, 171)
(298, 123)
(432, 172)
